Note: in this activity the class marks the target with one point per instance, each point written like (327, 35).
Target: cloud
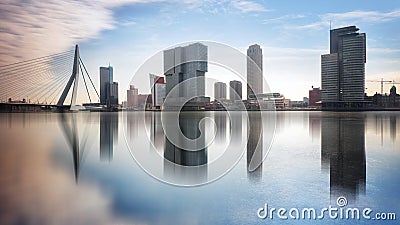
(32, 29)
(284, 18)
(248, 6)
(383, 50)
(38, 28)
(363, 16)
(348, 18)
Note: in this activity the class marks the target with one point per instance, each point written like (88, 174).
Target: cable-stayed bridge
(48, 82)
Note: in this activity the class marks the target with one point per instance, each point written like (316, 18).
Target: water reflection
(108, 124)
(254, 146)
(343, 151)
(220, 120)
(314, 125)
(385, 124)
(71, 135)
(393, 125)
(108, 133)
(43, 155)
(157, 132)
(194, 161)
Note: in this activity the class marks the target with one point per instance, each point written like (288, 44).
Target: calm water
(77, 168)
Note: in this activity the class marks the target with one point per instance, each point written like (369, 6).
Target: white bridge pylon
(73, 79)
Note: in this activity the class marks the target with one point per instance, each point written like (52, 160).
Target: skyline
(127, 33)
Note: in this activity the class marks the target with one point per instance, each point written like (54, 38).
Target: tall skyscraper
(108, 88)
(182, 64)
(343, 70)
(106, 77)
(114, 93)
(254, 70)
(219, 91)
(235, 86)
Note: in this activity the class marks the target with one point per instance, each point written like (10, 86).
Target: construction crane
(395, 83)
(382, 82)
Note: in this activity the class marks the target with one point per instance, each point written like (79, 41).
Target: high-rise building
(219, 91)
(158, 87)
(254, 70)
(343, 70)
(132, 96)
(114, 93)
(182, 64)
(235, 86)
(106, 77)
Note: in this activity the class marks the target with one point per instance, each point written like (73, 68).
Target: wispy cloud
(383, 50)
(37, 28)
(283, 19)
(363, 16)
(127, 23)
(347, 18)
(248, 6)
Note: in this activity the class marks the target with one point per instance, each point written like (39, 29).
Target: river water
(79, 168)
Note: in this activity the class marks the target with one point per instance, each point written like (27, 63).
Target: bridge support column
(73, 79)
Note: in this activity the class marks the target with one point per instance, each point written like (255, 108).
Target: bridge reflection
(68, 125)
(108, 124)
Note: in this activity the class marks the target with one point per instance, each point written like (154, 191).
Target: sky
(293, 34)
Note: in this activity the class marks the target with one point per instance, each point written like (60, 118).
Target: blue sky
(293, 34)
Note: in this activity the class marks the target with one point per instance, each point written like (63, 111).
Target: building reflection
(186, 165)
(343, 146)
(254, 146)
(393, 126)
(220, 121)
(314, 125)
(108, 133)
(236, 126)
(386, 124)
(156, 131)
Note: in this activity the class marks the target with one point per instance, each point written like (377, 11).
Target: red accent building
(314, 96)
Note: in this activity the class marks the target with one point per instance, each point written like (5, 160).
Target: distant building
(314, 96)
(220, 91)
(386, 101)
(158, 90)
(287, 103)
(343, 70)
(132, 97)
(298, 104)
(235, 86)
(143, 102)
(278, 99)
(108, 88)
(182, 64)
(306, 100)
(254, 70)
